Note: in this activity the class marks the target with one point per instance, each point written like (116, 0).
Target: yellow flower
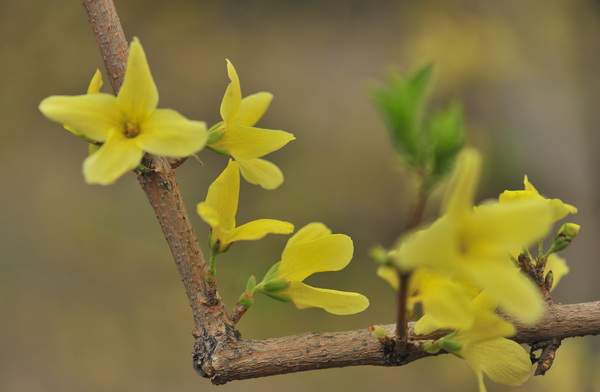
(559, 208)
(558, 266)
(220, 208)
(313, 249)
(238, 137)
(473, 245)
(128, 124)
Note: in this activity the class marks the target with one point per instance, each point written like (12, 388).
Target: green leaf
(401, 102)
(446, 134)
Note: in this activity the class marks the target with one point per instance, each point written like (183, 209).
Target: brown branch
(211, 326)
(219, 353)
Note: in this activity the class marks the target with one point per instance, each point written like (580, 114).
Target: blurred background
(89, 296)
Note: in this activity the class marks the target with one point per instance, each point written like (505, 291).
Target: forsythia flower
(473, 245)
(559, 208)
(220, 208)
(128, 124)
(313, 249)
(238, 137)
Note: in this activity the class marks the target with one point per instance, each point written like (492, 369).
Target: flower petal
(138, 96)
(515, 293)
(95, 83)
(502, 360)
(230, 105)
(332, 301)
(558, 266)
(447, 303)
(92, 115)
(253, 107)
(308, 233)
(116, 157)
(329, 253)
(461, 192)
(221, 204)
(261, 172)
(390, 275)
(259, 228)
(168, 133)
(250, 142)
(506, 228)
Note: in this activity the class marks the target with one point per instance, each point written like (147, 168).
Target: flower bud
(565, 235)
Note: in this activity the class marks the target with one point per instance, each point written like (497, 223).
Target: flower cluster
(464, 268)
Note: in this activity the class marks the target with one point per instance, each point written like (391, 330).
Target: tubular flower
(237, 135)
(128, 125)
(313, 249)
(473, 245)
(559, 208)
(220, 208)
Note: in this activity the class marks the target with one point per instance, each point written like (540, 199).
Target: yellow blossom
(128, 125)
(313, 249)
(237, 135)
(473, 245)
(220, 208)
(560, 209)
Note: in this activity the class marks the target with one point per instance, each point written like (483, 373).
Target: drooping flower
(220, 208)
(128, 125)
(313, 249)
(560, 209)
(238, 137)
(474, 245)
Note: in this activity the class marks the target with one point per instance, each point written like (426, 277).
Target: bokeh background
(89, 296)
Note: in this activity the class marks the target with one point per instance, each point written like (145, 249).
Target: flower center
(131, 129)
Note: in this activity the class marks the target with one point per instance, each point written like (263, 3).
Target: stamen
(131, 129)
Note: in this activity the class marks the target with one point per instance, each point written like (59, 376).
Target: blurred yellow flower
(238, 137)
(128, 124)
(559, 208)
(220, 208)
(313, 249)
(473, 245)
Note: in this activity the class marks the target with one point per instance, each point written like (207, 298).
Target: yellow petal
(329, 253)
(390, 275)
(259, 228)
(558, 266)
(459, 199)
(515, 293)
(250, 142)
(138, 96)
(502, 229)
(222, 198)
(261, 172)
(92, 115)
(253, 107)
(168, 133)
(308, 233)
(426, 325)
(332, 301)
(96, 83)
(116, 157)
(502, 360)
(528, 186)
(447, 303)
(232, 99)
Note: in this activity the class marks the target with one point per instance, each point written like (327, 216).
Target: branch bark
(219, 352)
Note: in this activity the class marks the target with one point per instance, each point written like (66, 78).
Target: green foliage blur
(90, 299)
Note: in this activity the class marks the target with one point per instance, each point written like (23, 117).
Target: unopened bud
(565, 235)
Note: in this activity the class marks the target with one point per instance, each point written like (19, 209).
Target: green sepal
(251, 284)
(277, 297)
(451, 346)
(214, 136)
(275, 285)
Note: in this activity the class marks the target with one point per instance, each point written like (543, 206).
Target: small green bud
(378, 332)
(251, 284)
(275, 285)
(451, 346)
(565, 235)
(431, 347)
(380, 255)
